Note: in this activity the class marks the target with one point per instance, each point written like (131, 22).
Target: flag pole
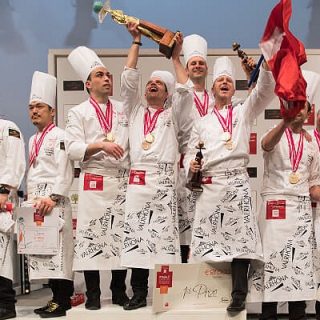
(255, 73)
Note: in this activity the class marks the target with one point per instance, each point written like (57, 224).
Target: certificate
(194, 286)
(37, 234)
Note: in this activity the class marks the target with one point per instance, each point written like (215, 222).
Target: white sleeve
(64, 176)
(182, 102)
(260, 97)
(75, 137)
(130, 90)
(15, 163)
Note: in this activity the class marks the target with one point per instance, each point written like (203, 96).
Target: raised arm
(130, 76)
(261, 95)
(180, 71)
(272, 138)
(133, 53)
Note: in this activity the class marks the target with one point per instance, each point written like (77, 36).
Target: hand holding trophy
(164, 37)
(250, 67)
(249, 64)
(194, 184)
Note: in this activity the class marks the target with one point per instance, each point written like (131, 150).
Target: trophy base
(166, 44)
(194, 187)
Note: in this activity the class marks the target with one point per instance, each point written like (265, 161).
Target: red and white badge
(206, 180)
(276, 210)
(137, 177)
(38, 218)
(92, 182)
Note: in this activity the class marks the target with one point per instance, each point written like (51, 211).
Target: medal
(148, 127)
(149, 138)
(229, 145)
(226, 136)
(295, 155)
(201, 107)
(110, 137)
(105, 120)
(294, 177)
(226, 125)
(146, 145)
(37, 143)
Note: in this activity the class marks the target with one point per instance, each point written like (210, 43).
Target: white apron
(58, 266)
(151, 234)
(225, 226)
(6, 255)
(287, 274)
(186, 206)
(316, 227)
(186, 198)
(99, 235)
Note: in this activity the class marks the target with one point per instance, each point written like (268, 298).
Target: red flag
(285, 54)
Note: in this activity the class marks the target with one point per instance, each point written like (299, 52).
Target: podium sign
(191, 286)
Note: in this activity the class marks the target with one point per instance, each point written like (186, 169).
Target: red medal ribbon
(295, 154)
(317, 136)
(150, 122)
(37, 143)
(226, 124)
(202, 107)
(105, 120)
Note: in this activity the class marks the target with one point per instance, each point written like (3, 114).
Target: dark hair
(309, 105)
(88, 79)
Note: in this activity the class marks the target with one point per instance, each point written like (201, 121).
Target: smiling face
(99, 83)
(156, 92)
(197, 68)
(223, 89)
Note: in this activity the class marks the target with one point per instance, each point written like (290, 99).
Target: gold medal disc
(149, 138)
(294, 177)
(110, 137)
(146, 145)
(229, 145)
(226, 136)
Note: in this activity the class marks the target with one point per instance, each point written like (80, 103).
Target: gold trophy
(194, 184)
(164, 37)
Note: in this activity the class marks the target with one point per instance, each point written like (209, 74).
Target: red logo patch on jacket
(206, 180)
(276, 210)
(137, 177)
(92, 182)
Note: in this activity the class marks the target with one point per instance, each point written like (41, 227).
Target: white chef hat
(43, 89)
(167, 78)
(83, 61)
(194, 46)
(313, 86)
(223, 66)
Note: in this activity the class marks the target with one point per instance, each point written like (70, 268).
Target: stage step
(109, 311)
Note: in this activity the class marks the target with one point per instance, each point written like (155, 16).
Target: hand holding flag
(285, 54)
